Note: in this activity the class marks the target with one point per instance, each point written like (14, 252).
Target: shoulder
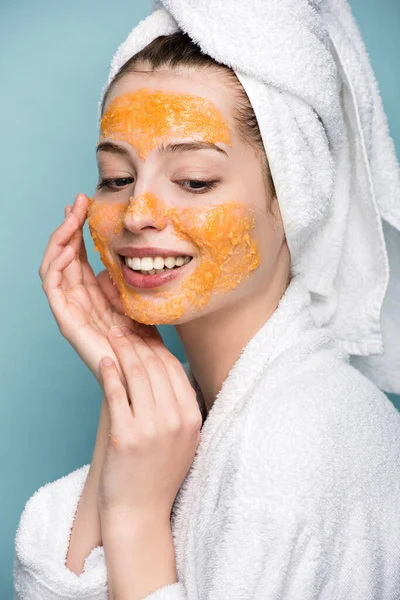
(319, 432)
(324, 392)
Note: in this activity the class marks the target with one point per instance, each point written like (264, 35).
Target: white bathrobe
(293, 494)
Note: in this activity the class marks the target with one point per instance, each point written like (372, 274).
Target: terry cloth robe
(293, 494)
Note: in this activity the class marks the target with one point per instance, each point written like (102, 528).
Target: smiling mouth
(146, 266)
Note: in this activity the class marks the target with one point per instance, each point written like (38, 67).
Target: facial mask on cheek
(222, 241)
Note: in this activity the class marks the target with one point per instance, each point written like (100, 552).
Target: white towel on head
(307, 73)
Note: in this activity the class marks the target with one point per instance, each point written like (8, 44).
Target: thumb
(110, 290)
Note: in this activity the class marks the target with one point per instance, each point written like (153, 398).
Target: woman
(277, 477)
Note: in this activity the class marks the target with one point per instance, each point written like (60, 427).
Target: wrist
(139, 552)
(101, 442)
(133, 524)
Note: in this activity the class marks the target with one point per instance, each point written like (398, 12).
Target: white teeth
(169, 262)
(146, 263)
(133, 263)
(158, 264)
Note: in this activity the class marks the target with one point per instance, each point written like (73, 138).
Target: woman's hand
(84, 305)
(154, 439)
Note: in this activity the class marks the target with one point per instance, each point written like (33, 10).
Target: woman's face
(183, 196)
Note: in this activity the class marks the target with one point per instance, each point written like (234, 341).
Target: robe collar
(285, 328)
(277, 334)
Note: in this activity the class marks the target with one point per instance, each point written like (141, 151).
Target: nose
(145, 211)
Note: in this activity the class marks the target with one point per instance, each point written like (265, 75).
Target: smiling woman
(269, 463)
(160, 146)
(146, 120)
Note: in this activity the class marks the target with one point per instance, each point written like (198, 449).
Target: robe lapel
(271, 339)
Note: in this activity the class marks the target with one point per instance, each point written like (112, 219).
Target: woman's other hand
(155, 430)
(84, 305)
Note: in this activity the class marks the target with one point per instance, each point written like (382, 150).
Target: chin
(152, 312)
(155, 313)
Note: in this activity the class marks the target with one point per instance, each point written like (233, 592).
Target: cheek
(105, 221)
(224, 236)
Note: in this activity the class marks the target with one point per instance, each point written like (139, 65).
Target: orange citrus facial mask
(144, 118)
(226, 254)
(221, 235)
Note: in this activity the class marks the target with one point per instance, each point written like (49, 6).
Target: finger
(117, 398)
(64, 234)
(87, 273)
(52, 283)
(89, 277)
(148, 332)
(82, 250)
(81, 271)
(139, 387)
(57, 242)
(184, 392)
(79, 209)
(110, 291)
(73, 274)
(161, 385)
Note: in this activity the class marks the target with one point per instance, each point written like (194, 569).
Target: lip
(138, 280)
(149, 251)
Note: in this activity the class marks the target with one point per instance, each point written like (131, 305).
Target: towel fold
(306, 71)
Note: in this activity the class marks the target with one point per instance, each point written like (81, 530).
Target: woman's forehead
(205, 83)
(144, 118)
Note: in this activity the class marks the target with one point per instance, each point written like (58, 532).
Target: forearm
(139, 554)
(86, 530)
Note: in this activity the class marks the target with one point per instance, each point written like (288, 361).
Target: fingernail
(107, 362)
(116, 331)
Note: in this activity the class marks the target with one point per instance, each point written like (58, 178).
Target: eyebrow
(163, 148)
(187, 146)
(111, 147)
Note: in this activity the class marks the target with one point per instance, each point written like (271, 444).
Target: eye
(197, 186)
(114, 183)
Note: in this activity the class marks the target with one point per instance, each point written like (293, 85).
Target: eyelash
(107, 183)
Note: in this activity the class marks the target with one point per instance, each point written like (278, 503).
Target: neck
(214, 342)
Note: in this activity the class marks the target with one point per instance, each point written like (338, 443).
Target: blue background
(54, 61)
